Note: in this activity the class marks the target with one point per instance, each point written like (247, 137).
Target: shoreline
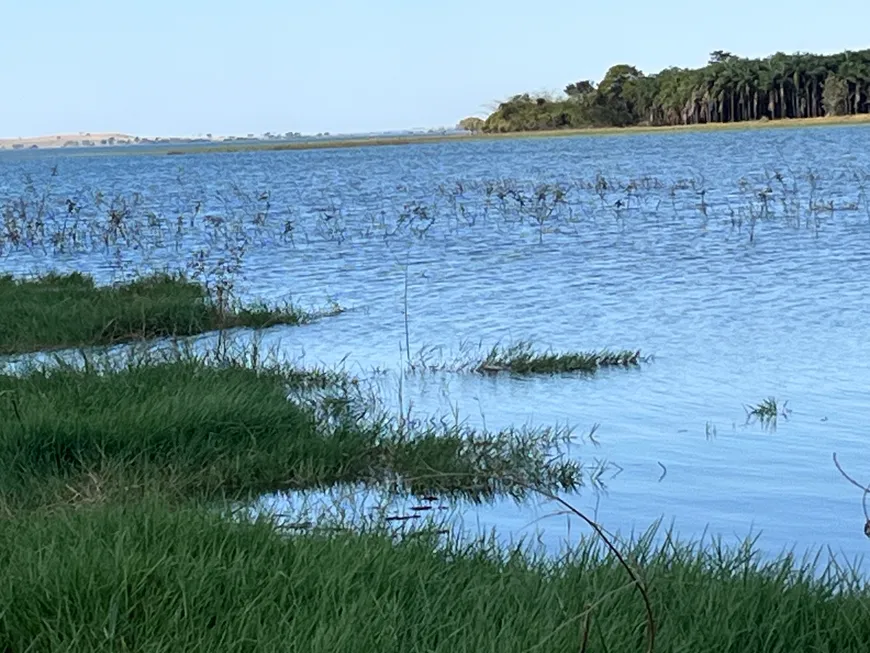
(59, 141)
(413, 139)
(42, 143)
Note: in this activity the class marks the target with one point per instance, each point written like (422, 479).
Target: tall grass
(55, 311)
(192, 428)
(148, 578)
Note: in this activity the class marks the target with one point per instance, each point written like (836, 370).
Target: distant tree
(471, 124)
(728, 89)
(616, 78)
(720, 56)
(208, 136)
(580, 89)
(835, 95)
(111, 140)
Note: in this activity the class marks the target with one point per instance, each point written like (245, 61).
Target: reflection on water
(739, 259)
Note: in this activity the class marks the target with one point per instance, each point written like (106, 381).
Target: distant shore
(412, 139)
(179, 146)
(66, 140)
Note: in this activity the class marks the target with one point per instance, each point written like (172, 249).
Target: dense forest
(728, 89)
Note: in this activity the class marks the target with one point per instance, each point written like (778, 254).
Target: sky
(191, 67)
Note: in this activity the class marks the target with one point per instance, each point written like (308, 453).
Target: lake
(738, 259)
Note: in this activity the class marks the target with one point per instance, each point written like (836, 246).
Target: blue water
(733, 312)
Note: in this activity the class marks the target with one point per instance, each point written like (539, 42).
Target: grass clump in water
(192, 428)
(56, 311)
(521, 358)
(766, 412)
(144, 576)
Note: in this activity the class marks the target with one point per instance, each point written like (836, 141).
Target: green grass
(145, 577)
(114, 478)
(766, 412)
(766, 409)
(191, 428)
(522, 359)
(55, 311)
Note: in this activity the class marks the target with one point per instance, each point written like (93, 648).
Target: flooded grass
(56, 311)
(193, 226)
(521, 358)
(113, 475)
(147, 576)
(192, 427)
(766, 412)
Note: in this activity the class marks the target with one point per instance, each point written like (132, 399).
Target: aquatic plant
(521, 358)
(766, 412)
(213, 227)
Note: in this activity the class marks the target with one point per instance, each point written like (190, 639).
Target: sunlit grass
(55, 311)
(143, 576)
(193, 428)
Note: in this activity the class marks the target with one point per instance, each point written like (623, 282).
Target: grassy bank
(339, 143)
(190, 428)
(146, 577)
(56, 311)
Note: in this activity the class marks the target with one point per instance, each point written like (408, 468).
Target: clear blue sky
(182, 67)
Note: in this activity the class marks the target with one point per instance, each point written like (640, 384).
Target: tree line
(728, 89)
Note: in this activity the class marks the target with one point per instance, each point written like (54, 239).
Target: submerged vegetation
(521, 358)
(766, 412)
(123, 476)
(208, 233)
(55, 311)
(728, 89)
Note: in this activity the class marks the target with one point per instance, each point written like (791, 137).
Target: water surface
(733, 313)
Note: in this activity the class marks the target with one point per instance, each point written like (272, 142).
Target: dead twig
(863, 488)
(599, 531)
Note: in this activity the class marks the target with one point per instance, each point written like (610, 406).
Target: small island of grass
(522, 359)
